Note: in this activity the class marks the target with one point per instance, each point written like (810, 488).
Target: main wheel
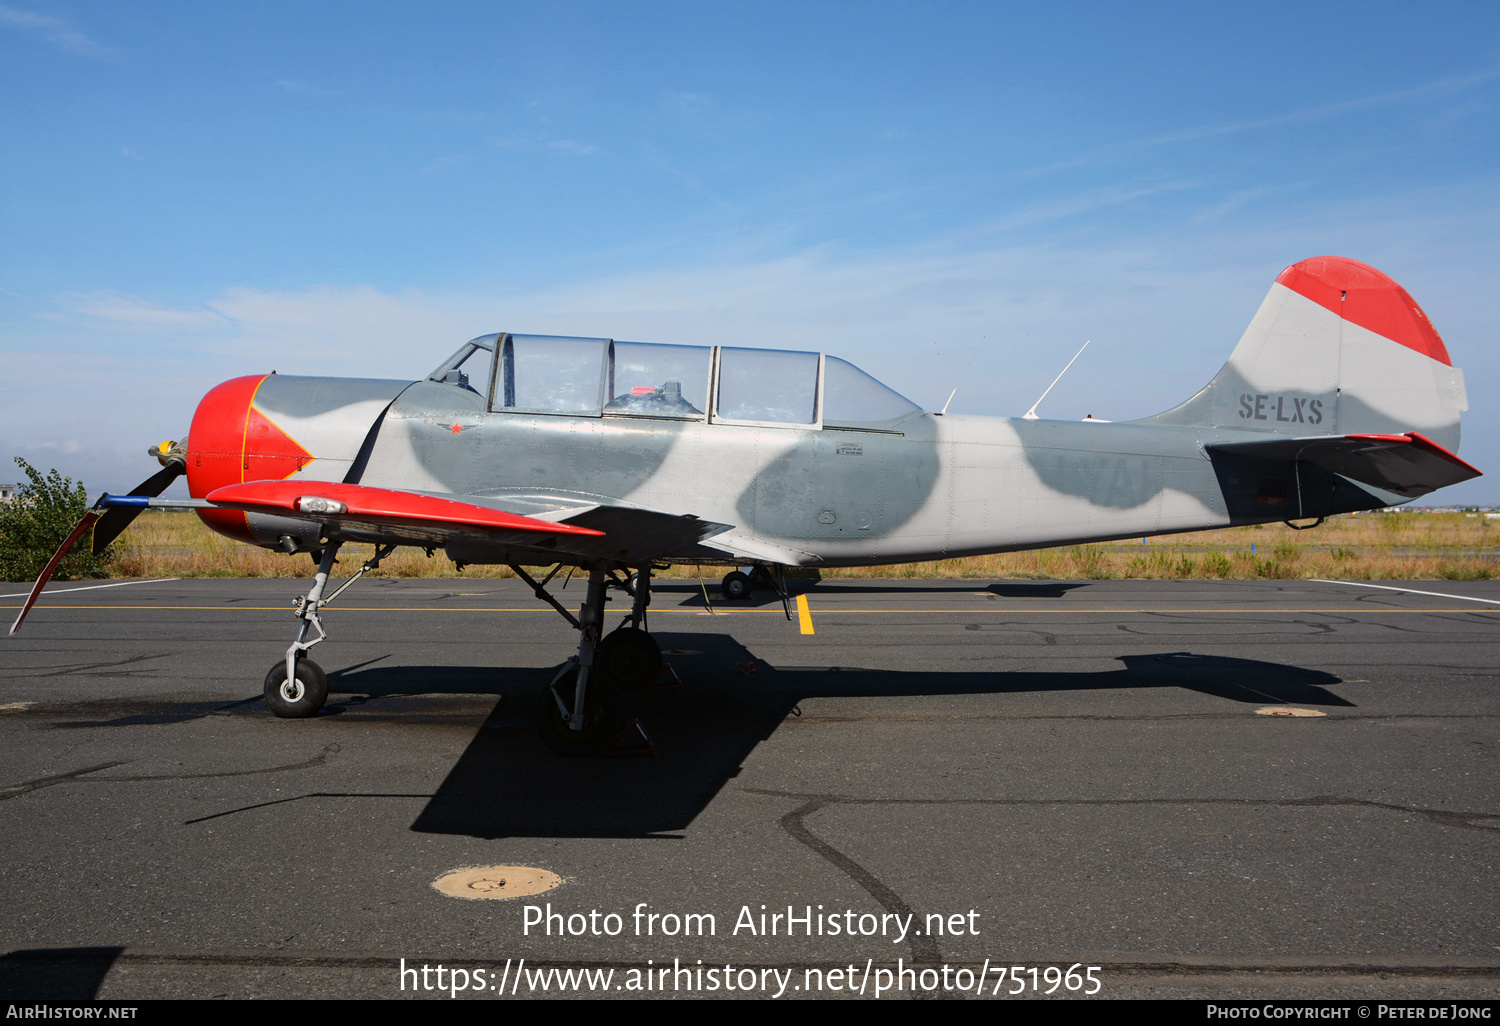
(760, 577)
(735, 586)
(630, 658)
(603, 715)
(300, 697)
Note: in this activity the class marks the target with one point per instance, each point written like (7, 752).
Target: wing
(390, 516)
(480, 529)
(629, 534)
(1409, 464)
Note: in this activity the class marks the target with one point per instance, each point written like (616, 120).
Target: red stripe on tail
(1364, 296)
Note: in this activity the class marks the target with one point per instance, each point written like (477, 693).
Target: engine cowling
(271, 427)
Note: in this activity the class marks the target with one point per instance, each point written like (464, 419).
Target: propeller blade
(117, 518)
(62, 550)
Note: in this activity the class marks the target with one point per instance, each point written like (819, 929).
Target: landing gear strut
(629, 655)
(296, 687)
(580, 712)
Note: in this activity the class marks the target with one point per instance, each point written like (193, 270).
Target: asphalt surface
(1064, 771)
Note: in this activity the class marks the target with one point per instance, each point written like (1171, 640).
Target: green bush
(1216, 564)
(35, 522)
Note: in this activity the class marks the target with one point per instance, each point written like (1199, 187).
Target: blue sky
(947, 194)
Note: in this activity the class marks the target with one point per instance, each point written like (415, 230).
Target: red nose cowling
(231, 441)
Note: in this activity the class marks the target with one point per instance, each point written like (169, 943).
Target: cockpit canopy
(593, 377)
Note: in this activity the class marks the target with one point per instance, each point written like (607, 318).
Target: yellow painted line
(804, 615)
(973, 610)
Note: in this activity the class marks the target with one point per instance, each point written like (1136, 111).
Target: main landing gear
(581, 712)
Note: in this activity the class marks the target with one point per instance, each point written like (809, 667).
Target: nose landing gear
(296, 687)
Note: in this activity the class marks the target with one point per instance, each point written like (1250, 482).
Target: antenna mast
(1031, 413)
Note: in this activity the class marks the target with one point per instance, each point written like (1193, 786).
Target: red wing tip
(1433, 447)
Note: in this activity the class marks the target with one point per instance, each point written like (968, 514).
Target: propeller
(117, 518)
(108, 522)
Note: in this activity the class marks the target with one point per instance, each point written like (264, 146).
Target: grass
(1366, 547)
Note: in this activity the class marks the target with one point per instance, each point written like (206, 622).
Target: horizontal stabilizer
(363, 506)
(1408, 464)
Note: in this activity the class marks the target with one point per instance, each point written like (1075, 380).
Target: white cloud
(1234, 201)
(1307, 115)
(569, 147)
(443, 163)
(107, 311)
(56, 30)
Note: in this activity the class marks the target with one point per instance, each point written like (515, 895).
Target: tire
(760, 577)
(629, 658)
(300, 698)
(735, 586)
(603, 716)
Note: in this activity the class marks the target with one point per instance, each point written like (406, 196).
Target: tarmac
(1206, 789)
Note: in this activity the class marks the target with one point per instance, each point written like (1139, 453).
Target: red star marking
(457, 428)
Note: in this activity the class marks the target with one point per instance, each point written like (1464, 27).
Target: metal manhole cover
(1287, 710)
(496, 882)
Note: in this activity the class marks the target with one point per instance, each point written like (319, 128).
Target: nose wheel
(298, 696)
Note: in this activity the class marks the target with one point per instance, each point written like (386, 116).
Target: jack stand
(643, 747)
(671, 683)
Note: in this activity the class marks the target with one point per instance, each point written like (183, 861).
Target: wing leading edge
(389, 515)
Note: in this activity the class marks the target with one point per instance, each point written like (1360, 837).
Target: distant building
(7, 492)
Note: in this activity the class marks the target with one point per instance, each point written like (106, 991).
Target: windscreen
(469, 368)
(851, 395)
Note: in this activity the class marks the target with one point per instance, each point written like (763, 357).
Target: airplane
(619, 458)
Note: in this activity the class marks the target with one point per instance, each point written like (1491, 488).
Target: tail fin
(1337, 348)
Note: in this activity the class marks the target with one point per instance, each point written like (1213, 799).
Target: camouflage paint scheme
(1336, 349)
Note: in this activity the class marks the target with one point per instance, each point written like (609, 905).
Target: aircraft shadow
(693, 594)
(506, 784)
(55, 974)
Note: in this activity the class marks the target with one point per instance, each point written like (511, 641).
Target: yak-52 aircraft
(619, 457)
